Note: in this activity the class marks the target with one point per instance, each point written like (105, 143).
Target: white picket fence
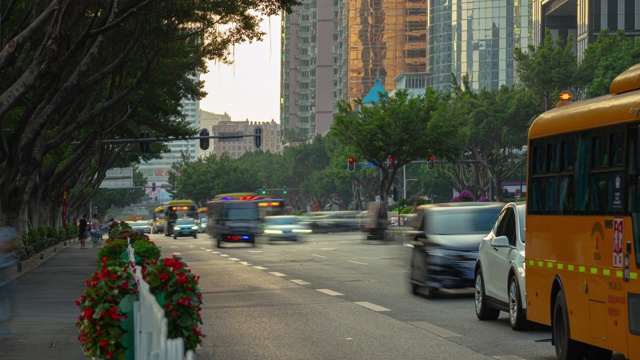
(150, 326)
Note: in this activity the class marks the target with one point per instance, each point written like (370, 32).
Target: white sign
(618, 228)
(118, 178)
(377, 198)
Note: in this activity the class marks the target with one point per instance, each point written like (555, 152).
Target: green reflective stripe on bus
(532, 263)
(582, 269)
(540, 263)
(634, 276)
(619, 273)
(594, 271)
(571, 267)
(550, 265)
(560, 266)
(606, 272)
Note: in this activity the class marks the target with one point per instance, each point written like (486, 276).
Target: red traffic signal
(431, 163)
(432, 158)
(351, 166)
(391, 159)
(352, 160)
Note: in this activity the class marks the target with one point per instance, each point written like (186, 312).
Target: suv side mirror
(500, 242)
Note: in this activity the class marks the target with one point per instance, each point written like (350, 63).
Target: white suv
(500, 269)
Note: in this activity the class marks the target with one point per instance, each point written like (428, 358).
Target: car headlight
(194, 228)
(176, 228)
(302, 231)
(270, 231)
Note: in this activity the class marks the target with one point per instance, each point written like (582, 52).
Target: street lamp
(404, 182)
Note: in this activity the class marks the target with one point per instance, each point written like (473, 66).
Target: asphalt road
(336, 296)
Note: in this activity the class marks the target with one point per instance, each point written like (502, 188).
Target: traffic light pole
(150, 140)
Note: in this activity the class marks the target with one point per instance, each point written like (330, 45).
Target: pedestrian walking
(96, 234)
(83, 230)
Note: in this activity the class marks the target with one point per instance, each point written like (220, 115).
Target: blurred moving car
(141, 226)
(331, 221)
(500, 269)
(185, 227)
(284, 227)
(445, 246)
(202, 225)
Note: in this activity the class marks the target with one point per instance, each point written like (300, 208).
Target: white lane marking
(191, 246)
(357, 262)
(244, 263)
(172, 246)
(177, 253)
(234, 259)
(433, 329)
(329, 292)
(260, 268)
(508, 357)
(300, 282)
(277, 273)
(319, 256)
(216, 252)
(202, 248)
(327, 249)
(255, 251)
(208, 250)
(224, 255)
(371, 306)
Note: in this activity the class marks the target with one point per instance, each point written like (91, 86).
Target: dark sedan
(445, 246)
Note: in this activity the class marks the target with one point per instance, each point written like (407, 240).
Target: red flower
(104, 343)
(168, 262)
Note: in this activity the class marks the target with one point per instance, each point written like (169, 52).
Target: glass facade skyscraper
(477, 38)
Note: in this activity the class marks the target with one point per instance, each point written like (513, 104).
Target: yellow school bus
(583, 223)
(158, 219)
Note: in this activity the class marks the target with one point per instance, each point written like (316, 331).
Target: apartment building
(271, 137)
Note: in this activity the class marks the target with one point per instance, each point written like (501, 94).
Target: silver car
(284, 227)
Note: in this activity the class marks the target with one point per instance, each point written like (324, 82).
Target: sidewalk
(44, 310)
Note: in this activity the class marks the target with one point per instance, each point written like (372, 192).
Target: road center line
(244, 263)
(260, 268)
(329, 292)
(324, 257)
(224, 255)
(371, 306)
(277, 273)
(300, 282)
(357, 262)
(433, 329)
(234, 259)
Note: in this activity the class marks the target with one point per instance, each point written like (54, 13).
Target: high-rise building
(477, 38)
(207, 121)
(307, 92)
(271, 137)
(379, 39)
(157, 170)
(584, 19)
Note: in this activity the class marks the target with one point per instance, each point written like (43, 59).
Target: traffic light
(153, 187)
(431, 163)
(390, 159)
(258, 137)
(352, 164)
(284, 189)
(392, 165)
(144, 145)
(204, 143)
(264, 190)
(317, 206)
(394, 193)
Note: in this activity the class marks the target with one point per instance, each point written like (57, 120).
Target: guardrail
(150, 326)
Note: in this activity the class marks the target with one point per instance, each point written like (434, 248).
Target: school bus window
(553, 158)
(565, 198)
(616, 148)
(582, 174)
(598, 197)
(535, 196)
(551, 189)
(538, 160)
(599, 153)
(567, 155)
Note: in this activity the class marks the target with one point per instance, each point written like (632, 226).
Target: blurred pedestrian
(8, 261)
(83, 230)
(96, 235)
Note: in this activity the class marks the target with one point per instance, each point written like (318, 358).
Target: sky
(250, 88)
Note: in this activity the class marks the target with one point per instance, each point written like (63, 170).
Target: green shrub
(112, 250)
(146, 249)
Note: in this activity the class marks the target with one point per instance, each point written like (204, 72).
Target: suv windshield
(185, 221)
